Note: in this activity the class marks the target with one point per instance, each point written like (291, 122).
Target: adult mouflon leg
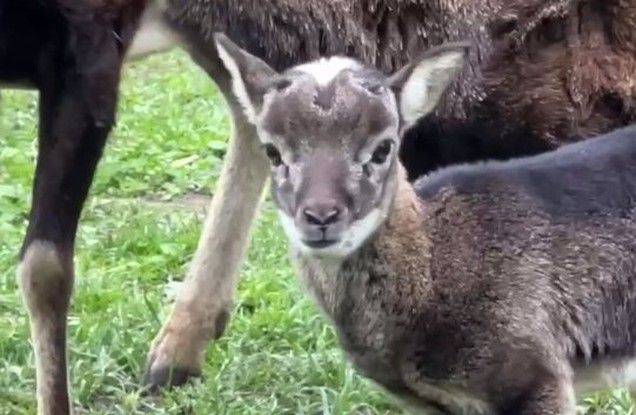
(77, 105)
(205, 301)
(71, 143)
(204, 304)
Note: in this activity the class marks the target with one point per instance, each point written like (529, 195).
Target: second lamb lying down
(497, 288)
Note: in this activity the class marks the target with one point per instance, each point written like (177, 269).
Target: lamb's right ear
(251, 76)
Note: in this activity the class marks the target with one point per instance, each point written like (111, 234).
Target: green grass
(138, 232)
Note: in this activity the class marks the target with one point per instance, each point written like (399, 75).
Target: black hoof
(168, 377)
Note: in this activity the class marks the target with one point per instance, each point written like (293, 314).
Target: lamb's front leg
(204, 304)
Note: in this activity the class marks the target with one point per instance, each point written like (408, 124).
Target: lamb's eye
(273, 154)
(381, 152)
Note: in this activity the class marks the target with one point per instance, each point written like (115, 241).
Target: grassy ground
(138, 233)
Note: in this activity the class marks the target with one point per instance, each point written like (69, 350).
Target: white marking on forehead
(325, 70)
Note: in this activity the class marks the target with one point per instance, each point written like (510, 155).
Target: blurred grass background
(138, 232)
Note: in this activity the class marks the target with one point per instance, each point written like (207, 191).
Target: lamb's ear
(419, 85)
(251, 76)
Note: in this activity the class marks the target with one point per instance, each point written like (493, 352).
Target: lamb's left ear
(419, 85)
(251, 76)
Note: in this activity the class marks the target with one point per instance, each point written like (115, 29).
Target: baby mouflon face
(331, 133)
(331, 129)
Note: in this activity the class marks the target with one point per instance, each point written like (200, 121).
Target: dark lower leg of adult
(77, 107)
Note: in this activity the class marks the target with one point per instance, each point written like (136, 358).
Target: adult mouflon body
(501, 287)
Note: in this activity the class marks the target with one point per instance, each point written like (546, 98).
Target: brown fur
(485, 288)
(475, 303)
(542, 73)
(562, 69)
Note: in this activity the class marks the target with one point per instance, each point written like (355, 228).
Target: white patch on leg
(153, 35)
(41, 259)
(42, 273)
(569, 396)
(326, 70)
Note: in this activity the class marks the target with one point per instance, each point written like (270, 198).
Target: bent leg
(204, 304)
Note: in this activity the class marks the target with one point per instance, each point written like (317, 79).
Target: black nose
(321, 215)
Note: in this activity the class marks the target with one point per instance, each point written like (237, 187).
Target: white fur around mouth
(350, 240)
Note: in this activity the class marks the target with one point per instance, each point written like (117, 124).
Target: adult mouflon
(502, 287)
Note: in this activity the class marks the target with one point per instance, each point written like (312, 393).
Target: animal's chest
(375, 334)
(365, 329)
(374, 343)
(400, 377)
(369, 341)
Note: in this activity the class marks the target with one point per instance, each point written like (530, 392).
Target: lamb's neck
(393, 261)
(402, 242)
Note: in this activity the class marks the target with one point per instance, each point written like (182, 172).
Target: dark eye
(273, 154)
(381, 152)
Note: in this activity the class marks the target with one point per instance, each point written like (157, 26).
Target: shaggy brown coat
(496, 289)
(541, 73)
